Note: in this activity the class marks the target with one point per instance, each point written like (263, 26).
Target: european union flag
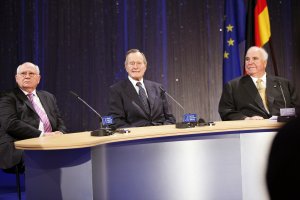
(234, 33)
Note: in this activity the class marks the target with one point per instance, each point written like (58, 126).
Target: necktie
(143, 97)
(41, 113)
(262, 92)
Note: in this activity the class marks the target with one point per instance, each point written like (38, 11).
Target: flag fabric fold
(258, 23)
(262, 23)
(239, 25)
(234, 34)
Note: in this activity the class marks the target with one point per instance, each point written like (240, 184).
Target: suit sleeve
(116, 109)
(11, 122)
(227, 107)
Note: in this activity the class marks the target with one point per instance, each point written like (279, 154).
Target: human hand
(53, 133)
(254, 118)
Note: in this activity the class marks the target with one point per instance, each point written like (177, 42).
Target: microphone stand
(284, 118)
(102, 131)
(201, 122)
(179, 124)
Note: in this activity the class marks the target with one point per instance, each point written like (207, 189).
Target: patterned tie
(41, 113)
(262, 92)
(143, 97)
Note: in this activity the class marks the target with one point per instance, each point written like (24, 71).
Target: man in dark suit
(256, 95)
(136, 102)
(26, 113)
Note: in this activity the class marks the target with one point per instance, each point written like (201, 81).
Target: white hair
(29, 64)
(262, 51)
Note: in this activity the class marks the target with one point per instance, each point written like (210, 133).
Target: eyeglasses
(132, 63)
(30, 74)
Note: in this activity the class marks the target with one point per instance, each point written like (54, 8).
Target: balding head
(28, 76)
(256, 61)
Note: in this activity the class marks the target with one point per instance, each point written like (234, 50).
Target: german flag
(258, 23)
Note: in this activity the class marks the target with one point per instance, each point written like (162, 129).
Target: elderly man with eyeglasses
(26, 113)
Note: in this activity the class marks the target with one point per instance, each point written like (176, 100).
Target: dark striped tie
(143, 97)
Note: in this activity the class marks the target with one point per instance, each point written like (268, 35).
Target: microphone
(282, 94)
(102, 131)
(164, 91)
(286, 114)
(190, 120)
(90, 107)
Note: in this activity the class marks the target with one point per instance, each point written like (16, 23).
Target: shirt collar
(26, 93)
(135, 81)
(264, 78)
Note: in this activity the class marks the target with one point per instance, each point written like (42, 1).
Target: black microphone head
(73, 93)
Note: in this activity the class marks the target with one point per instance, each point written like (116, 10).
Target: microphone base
(185, 125)
(206, 124)
(285, 118)
(102, 132)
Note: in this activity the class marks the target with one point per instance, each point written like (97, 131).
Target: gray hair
(135, 51)
(31, 64)
(262, 51)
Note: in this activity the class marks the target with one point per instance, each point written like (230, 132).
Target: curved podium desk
(225, 161)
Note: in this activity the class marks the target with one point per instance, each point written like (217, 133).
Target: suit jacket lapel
(43, 100)
(132, 94)
(45, 105)
(269, 91)
(251, 89)
(151, 94)
(24, 98)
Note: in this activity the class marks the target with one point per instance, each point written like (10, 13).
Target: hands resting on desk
(52, 133)
(254, 118)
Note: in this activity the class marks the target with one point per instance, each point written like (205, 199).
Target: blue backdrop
(80, 45)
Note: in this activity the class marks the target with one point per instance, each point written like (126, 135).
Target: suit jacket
(240, 98)
(18, 121)
(127, 109)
